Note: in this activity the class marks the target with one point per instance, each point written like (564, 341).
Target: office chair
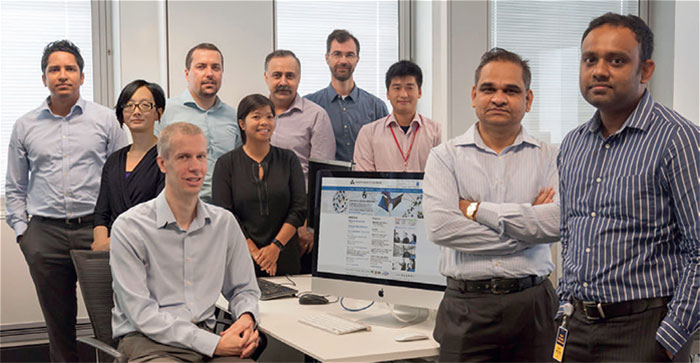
(95, 279)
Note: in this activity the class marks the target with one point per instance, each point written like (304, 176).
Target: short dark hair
(342, 36)
(249, 104)
(402, 69)
(205, 46)
(502, 55)
(130, 89)
(61, 46)
(281, 53)
(644, 35)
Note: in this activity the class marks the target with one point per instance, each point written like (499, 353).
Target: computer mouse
(410, 336)
(312, 299)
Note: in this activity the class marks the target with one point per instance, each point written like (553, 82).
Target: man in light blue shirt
(348, 106)
(54, 164)
(489, 203)
(172, 256)
(199, 105)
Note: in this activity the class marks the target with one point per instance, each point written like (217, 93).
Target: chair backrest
(95, 279)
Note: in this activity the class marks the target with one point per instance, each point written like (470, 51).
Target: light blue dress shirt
(631, 215)
(167, 279)
(348, 115)
(54, 163)
(218, 124)
(511, 237)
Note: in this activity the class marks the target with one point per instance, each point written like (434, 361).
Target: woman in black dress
(130, 175)
(263, 186)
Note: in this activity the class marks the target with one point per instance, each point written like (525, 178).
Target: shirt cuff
(487, 214)
(672, 335)
(20, 228)
(205, 342)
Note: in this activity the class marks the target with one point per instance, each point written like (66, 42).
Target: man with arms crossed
(489, 204)
(630, 199)
(302, 126)
(54, 166)
(401, 141)
(170, 258)
(199, 105)
(348, 106)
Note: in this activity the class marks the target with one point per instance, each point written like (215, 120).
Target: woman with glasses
(130, 175)
(263, 186)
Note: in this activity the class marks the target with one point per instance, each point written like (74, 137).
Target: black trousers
(515, 327)
(630, 338)
(46, 247)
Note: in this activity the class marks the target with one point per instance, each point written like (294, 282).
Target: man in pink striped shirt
(401, 141)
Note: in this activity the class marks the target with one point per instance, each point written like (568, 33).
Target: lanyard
(405, 158)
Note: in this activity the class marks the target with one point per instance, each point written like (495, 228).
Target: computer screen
(316, 165)
(371, 240)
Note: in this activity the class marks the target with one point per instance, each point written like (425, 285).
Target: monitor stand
(399, 316)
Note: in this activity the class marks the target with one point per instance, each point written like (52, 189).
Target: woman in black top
(130, 175)
(263, 186)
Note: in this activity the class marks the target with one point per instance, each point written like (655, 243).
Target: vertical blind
(548, 34)
(25, 29)
(302, 27)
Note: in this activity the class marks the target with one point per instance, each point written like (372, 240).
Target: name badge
(560, 343)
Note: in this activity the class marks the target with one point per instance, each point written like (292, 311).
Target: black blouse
(119, 193)
(263, 206)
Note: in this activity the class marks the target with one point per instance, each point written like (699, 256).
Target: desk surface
(279, 319)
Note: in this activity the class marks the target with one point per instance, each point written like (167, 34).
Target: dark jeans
(515, 327)
(630, 338)
(46, 246)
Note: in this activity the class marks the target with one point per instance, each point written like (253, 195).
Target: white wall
(686, 76)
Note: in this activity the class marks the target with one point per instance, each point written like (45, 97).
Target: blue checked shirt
(348, 115)
(630, 215)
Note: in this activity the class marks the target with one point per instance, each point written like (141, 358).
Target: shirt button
(345, 126)
(347, 143)
(344, 109)
(593, 214)
(585, 284)
(607, 146)
(588, 250)
(598, 180)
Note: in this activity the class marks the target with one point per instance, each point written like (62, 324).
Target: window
(548, 34)
(25, 29)
(303, 26)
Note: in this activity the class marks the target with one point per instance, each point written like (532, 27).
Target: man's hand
(306, 240)
(670, 356)
(239, 339)
(267, 258)
(100, 244)
(19, 238)
(463, 205)
(546, 196)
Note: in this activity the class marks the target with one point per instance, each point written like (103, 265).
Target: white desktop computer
(371, 242)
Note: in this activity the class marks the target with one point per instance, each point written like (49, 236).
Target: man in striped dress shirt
(488, 199)
(630, 208)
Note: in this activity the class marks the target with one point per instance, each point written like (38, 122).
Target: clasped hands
(240, 339)
(266, 257)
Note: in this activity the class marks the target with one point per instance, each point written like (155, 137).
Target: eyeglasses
(143, 106)
(348, 55)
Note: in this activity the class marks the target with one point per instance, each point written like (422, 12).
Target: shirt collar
(78, 107)
(165, 217)
(638, 119)
(391, 119)
(332, 95)
(297, 104)
(472, 137)
(188, 100)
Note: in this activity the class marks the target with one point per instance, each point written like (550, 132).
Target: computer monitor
(371, 241)
(316, 165)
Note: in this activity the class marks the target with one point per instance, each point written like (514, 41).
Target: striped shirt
(630, 213)
(511, 237)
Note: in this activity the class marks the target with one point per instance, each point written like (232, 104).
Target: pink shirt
(377, 150)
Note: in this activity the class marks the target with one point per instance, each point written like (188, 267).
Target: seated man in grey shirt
(170, 258)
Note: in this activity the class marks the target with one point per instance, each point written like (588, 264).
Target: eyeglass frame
(134, 106)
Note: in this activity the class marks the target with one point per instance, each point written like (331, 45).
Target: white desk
(279, 319)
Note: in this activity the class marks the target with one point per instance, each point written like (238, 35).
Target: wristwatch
(472, 209)
(277, 243)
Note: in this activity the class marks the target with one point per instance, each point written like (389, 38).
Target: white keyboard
(333, 324)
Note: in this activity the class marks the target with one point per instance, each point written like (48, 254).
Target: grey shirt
(166, 279)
